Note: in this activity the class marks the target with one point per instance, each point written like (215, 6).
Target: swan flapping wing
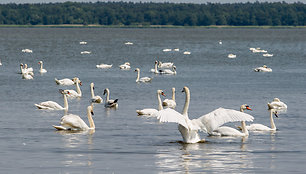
(217, 118)
(172, 116)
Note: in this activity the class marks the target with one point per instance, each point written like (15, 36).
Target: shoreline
(148, 26)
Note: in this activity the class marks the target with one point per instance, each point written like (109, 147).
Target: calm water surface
(125, 143)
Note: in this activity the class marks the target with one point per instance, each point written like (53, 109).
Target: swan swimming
(231, 56)
(277, 104)
(94, 98)
(229, 131)
(73, 122)
(104, 66)
(155, 68)
(109, 103)
(51, 105)
(78, 92)
(207, 123)
(165, 64)
(261, 127)
(170, 103)
(142, 79)
(168, 71)
(42, 70)
(64, 82)
(151, 111)
(125, 66)
(263, 68)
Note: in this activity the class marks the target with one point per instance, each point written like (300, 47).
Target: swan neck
(160, 106)
(92, 91)
(138, 75)
(41, 66)
(155, 68)
(90, 120)
(78, 88)
(65, 102)
(244, 129)
(272, 120)
(173, 94)
(187, 100)
(107, 95)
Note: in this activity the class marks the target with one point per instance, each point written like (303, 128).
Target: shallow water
(126, 143)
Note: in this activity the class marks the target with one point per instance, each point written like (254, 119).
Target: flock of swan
(211, 123)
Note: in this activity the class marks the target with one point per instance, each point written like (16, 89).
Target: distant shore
(141, 26)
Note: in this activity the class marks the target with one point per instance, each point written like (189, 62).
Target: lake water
(126, 143)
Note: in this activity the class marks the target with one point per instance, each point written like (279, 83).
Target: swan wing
(217, 118)
(172, 116)
(73, 121)
(49, 105)
(147, 111)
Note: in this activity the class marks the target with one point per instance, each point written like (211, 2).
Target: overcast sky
(171, 1)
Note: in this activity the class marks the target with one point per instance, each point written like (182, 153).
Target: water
(125, 143)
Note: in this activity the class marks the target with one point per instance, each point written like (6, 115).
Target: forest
(147, 14)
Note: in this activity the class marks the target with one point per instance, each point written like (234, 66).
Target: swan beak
(248, 108)
(275, 113)
(163, 94)
(92, 113)
(81, 83)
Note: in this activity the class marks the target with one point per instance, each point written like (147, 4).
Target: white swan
(170, 103)
(125, 66)
(83, 43)
(109, 103)
(104, 66)
(231, 56)
(207, 123)
(168, 71)
(261, 127)
(229, 131)
(51, 105)
(27, 76)
(142, 79)
(27, 68)
(165, 64)
(42, 70)
(155, 68)
(73, 122)
(263, 68)
(78, 92)
(95, 98)
(85, 52)
(64, 82)
(0, 62)
(151, 111)
(277, 104)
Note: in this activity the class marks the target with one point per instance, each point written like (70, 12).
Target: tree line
(129, 13)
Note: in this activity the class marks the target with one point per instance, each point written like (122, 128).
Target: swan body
(27, 76)
(150, 111)
(277, 104)
(267, 55)
(109, 103)
(229, 131)
(187, 52)
(64, 82)
(73, 122)
(264, 68)
(27, 68)
(220, 42)
(78, 92)
(142, 79)
(125, 66)
(27, 51)
(261, 127)
(128, 43)
(85, 52)
(207, 123)
(0, 62)
(42, 70)
(104, 66)
(170, 103)
(83, 43)
(168, 71)
(231, 56)
(95, 98)
(51, 105)
(165, 64)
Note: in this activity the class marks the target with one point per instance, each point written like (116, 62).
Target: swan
(125, 66)
(220, 42)
(28, 69)
(207, 123)
(0, 62)
(73, 122)
(27, 76)
(27, 50)
(170, 103)
(264, 68)
(168, 71)
(155, 68)
(142, 79)
(277, 104)
(231, 56)
(51, 105)
(41, 70)
(165, 65)
(94, 98)
(261, 127)
(187, 52)
(103, 66)
(83, 43)
(78, 92)
(85, 52)
(25, 71)
(229, 131)
(109, 103)
(151, 111)
(267, 55)
(64, 82)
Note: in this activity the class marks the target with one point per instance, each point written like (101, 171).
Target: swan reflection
(224, 155)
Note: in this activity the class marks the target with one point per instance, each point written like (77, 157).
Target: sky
(171, 1)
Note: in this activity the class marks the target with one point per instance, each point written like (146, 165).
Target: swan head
(276, 100)
(185, 89)
(264, 66)
(245, 107)
(92, 85)
(63, 91)
(90, 109)
(106, 91)
(40, 62)
(161, 92)
(77, 80)
(137, 70)
(21, 64)
(275, 112)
